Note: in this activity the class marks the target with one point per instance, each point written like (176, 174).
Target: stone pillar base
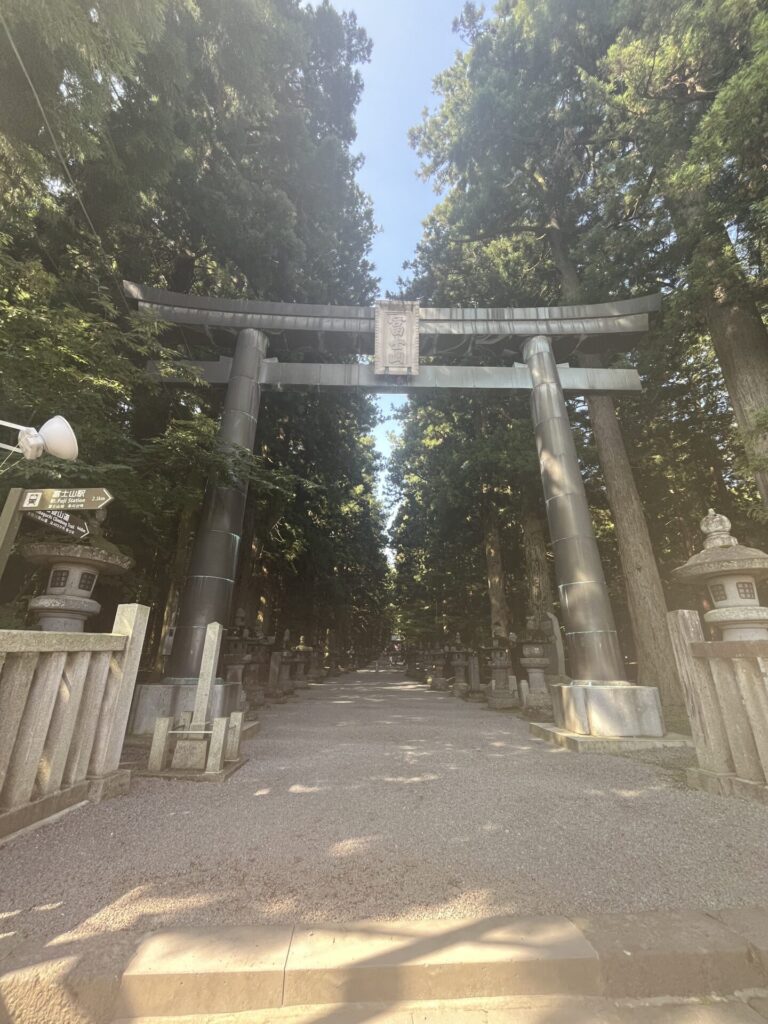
(172, 697)
(727, 785)
(502, 700)
(536, 700)
(611, 710)
(476, 696)
(275, 697)
(580, 744)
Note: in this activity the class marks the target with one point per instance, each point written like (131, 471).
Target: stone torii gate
(399, 335)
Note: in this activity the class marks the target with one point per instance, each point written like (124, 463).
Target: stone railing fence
(64, 704)
(726, 694)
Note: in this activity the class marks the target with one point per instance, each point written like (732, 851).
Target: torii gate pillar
(207, 592)
(599, 702)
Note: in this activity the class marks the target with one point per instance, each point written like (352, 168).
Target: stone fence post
(64, 704)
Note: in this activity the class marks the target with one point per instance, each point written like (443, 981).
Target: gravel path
(372, 797)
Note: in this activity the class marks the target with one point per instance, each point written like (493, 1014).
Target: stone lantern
(536, 662)
(74, 569)
(730, 572)
(502, 693)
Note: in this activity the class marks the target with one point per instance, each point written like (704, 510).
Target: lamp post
(55, 438)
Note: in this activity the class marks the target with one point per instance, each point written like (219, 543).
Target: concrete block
(603, 1011)
(605, 745)
(747, 790)
(161, 742)
(171, 699)
(35, 811)
(207, 676)
(534, 1010)
(234, 734)
(195, 971)
(708, 782)
(190, 754)
(574, 709)
(622, 710)
(61, 987)
(671, 953)
(107, 786)
(502, 700)
(558, 710)
(217, 745)
(445, 959)
(150, 702)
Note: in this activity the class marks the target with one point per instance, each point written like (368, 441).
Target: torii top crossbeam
(614, 325)
(398, 333)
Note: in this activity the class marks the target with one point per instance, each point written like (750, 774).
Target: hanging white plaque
(397, 337)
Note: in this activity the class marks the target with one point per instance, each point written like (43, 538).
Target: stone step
(619, 956)
(492, 1011)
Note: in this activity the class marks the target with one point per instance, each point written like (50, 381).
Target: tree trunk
(740, 340)
(539, 597)
(500, 623)
(645, 594)
(183, 540)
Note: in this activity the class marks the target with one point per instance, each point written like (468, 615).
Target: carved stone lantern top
(722, 554)
(730, 572)
(96, 558)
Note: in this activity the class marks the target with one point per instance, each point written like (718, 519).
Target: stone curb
(198, 972)
(578, 744)
(558, 1010)
(657, 954)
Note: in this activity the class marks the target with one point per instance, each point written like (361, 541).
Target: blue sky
(412, 42)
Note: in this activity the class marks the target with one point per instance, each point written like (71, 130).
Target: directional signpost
(47, 502)
(74, 499)
(73, 526)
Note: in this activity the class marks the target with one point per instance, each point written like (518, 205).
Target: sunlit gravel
(371, 797)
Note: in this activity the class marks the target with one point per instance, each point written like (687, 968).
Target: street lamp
(55, 437)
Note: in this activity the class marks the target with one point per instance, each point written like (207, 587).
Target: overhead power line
(63, 162)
